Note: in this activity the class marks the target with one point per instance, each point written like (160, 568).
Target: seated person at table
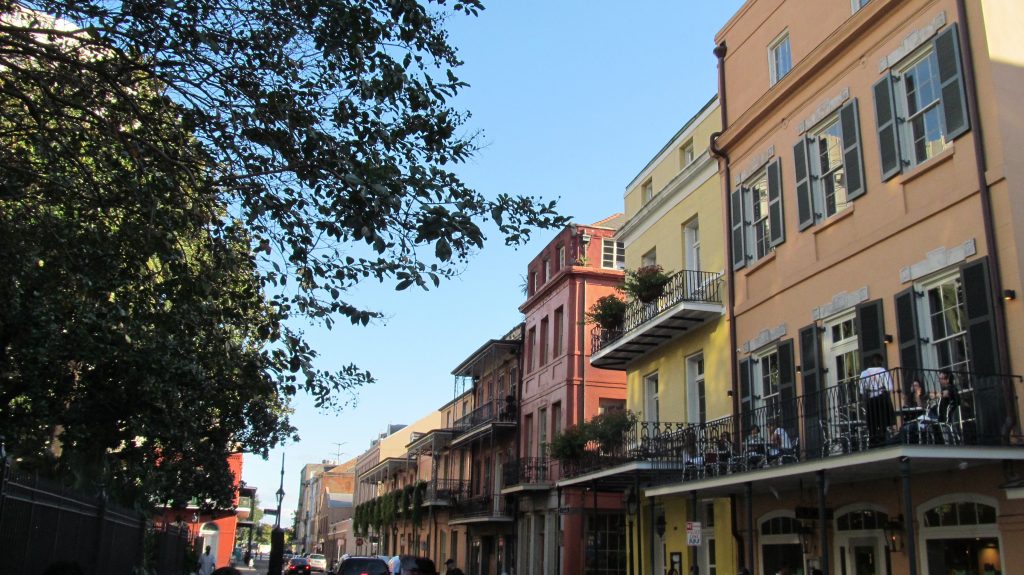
(724, 444)
(780, 442)
(755, 441)
(917, 397)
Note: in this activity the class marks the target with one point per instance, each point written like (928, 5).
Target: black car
(298, 566)
(361, 566)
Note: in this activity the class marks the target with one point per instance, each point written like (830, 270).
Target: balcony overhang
(430, 442)
(482, 431)
(624, 475)
(670, 324)
(387, 468)
(481, 520)
(527, 488)
(873, 464)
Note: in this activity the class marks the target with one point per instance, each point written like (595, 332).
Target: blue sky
(573, 98)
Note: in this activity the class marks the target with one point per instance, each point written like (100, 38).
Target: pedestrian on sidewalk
(451, 569)
(207, 563)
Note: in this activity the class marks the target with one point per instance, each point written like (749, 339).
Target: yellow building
(674, 348)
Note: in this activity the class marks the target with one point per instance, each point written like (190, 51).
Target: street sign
(359, 540)
(693, 533)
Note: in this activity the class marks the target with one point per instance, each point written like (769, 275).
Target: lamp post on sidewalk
(277, 535)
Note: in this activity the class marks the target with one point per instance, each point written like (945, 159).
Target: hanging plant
(417, 502)
(646, 283)
(608, 312)
(406, 500)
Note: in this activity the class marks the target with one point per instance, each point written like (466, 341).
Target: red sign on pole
(359, 540)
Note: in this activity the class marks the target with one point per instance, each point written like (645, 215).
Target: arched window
(780, 526)
(959, 513)
(861, 520)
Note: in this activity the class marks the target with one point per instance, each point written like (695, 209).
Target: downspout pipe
(730, 274)
(981, 162)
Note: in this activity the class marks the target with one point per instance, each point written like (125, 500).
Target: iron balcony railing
(684, 285)
(528, 471)
(853, 416)
(446, 490)
(481, 506)
(496, 410)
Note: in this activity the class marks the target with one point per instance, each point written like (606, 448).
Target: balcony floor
(667, 325)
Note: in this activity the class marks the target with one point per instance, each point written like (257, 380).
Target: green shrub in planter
(608, 312)
(610, 427)
(646, 284)
(571, 444)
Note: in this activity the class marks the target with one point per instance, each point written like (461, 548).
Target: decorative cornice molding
(687, 181)
(764, 338)
(823, 110)
(755, 164)
(842, 301)
(912, 42)
(938, 259)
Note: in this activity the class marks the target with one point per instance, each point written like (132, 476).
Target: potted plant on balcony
(608, 312)
(646, 283)
(610, 427)
(571, 444)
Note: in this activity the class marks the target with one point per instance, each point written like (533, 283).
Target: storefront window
(605, 544)
(961, 538)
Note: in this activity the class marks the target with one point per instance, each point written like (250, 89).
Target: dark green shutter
(907, 331)
(981, 332)
(787, 389)
(746, 395)
(871, 332)
(804, 193)
(954, 100)
(811, 375)
(739, 251)
(888, 135)
(853, 161)
(776, 216)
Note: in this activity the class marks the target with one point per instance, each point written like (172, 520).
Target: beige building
(873, 201)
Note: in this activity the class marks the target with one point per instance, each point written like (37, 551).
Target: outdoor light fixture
(894, 533)
(1009, 294)
(888, 338)
(659, 526)
(631, 502)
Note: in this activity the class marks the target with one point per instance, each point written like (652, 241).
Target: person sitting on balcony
(949, 403)
(876, 388)
(780, 442)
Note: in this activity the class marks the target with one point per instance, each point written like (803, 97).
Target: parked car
(361, 566)
(298, 565)
(317, 562)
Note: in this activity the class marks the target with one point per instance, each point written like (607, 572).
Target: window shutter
(853, 161)
(871, 332)
(888, 135)
(804, 199)
(954, 100)
(811, 375)
(775, 215)
(739, 250)
(981, 332)
(906, 328)
(746, 395)
(787, 389)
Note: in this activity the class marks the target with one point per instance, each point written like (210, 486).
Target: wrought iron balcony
(445, 491)
(690, 298)
(492, 411)
(841, 420)
(528, 471)
(483, 507)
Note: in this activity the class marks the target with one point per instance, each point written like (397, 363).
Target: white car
(317, 562)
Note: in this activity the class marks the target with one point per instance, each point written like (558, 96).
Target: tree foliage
(183, 178)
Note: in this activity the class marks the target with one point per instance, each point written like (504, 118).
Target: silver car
(317, 562)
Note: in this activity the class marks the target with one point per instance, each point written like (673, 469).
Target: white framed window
(696, 393)
(920, 104)
(650, 258)
(613, 254)
(686, 155)
(960, 532)
(779, 541)
(547, 270)
(691, 245)
(829, 166)
(561, 256)
(780, 58)
(651, 407)
(943, 313)
(840, 349)
(756, 216)
(766, 379)
(542, 432)
(827, 162)
(648, 190)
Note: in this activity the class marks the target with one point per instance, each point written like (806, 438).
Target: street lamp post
(631, 509)
(277, 535)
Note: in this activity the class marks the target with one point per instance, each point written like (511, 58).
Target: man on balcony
(876, 388)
